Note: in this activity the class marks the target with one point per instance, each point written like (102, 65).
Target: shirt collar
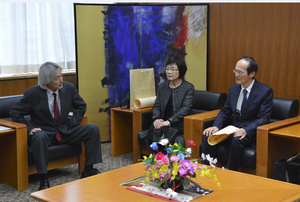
(249, 87)
(51, 92)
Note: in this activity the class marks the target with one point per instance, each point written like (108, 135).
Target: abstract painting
(143, 36)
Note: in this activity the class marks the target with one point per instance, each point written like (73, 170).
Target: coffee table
(236, 186)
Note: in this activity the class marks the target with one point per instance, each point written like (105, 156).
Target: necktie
(56, 117)
(244, 100)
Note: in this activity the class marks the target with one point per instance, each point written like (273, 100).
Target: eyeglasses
(239, 72)
(168, 68)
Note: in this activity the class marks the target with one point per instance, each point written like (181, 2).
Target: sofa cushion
(6, 103)
(208, 100)
(57, 152)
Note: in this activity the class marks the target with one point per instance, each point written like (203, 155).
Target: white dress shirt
(241, 97)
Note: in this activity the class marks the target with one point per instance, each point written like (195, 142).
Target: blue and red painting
(144, 37)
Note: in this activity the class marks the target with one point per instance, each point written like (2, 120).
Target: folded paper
(221, 135)
(144, 102)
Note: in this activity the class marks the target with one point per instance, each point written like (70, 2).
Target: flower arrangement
(174, 166)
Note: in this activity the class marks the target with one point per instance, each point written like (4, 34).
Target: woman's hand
(158, 123)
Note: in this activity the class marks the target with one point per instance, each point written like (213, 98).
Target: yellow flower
(174, 172)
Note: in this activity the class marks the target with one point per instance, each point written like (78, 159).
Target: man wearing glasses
(250, 102)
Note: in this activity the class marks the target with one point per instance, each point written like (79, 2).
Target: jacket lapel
(45, 105)
(63, 108)
(165, 99)
(235, 98)
(251, 97)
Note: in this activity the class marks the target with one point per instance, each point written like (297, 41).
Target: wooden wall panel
(18, 86)
(214, 46)
(259, 30)
(31, 82)
(71, 79)
(293, 54)
(12, 87)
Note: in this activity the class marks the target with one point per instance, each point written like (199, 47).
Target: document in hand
(221, 135)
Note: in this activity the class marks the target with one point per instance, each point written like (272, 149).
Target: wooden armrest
(16, 172)
(264, 161)
(137, 127)
(12, 124)
(194, 126)
(142, 110)
(279, 124)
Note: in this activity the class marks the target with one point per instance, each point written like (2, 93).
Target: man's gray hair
(46, 73)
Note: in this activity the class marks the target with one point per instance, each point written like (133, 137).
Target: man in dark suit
(250, 102)
(48, 105)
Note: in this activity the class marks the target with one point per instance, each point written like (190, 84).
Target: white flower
(164, 142)
(171, 194)
(169, 191)
(188, 151)
(208, 157)
(203, 156)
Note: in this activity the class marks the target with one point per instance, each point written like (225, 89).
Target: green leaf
(194, 160)
(185, 183)
(177, 177)
(164, 180)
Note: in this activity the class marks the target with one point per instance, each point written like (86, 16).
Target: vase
(173, 184)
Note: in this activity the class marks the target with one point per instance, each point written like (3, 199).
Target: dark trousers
(235, 148)
(89, 134)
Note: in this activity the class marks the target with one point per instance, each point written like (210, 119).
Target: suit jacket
(257, 112)
(35, 104)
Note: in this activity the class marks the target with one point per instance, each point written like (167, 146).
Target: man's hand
(34, 130)
(210, 130)
(240, 133)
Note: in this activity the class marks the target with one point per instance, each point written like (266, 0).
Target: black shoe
(91, 173)
(44, 184)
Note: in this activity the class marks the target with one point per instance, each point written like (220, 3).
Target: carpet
(63, 175)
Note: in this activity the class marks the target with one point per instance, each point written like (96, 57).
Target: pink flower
(193, 168)
(191, 143)
(165, 160)
(164, 142)
(175, 158)
(159, 155)
(184, 167)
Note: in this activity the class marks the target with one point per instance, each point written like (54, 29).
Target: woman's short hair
(179, 61)
(46, 73)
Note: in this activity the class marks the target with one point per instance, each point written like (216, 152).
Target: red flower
(159, 156)
(191, 143)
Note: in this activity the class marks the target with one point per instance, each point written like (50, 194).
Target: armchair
(203, 101)
(283, 109)
(17, 162)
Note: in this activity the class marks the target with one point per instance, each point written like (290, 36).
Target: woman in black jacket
(173, 102)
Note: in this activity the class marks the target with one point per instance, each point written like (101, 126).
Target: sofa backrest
(284, 108)
(208, 100)
(6, 102)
